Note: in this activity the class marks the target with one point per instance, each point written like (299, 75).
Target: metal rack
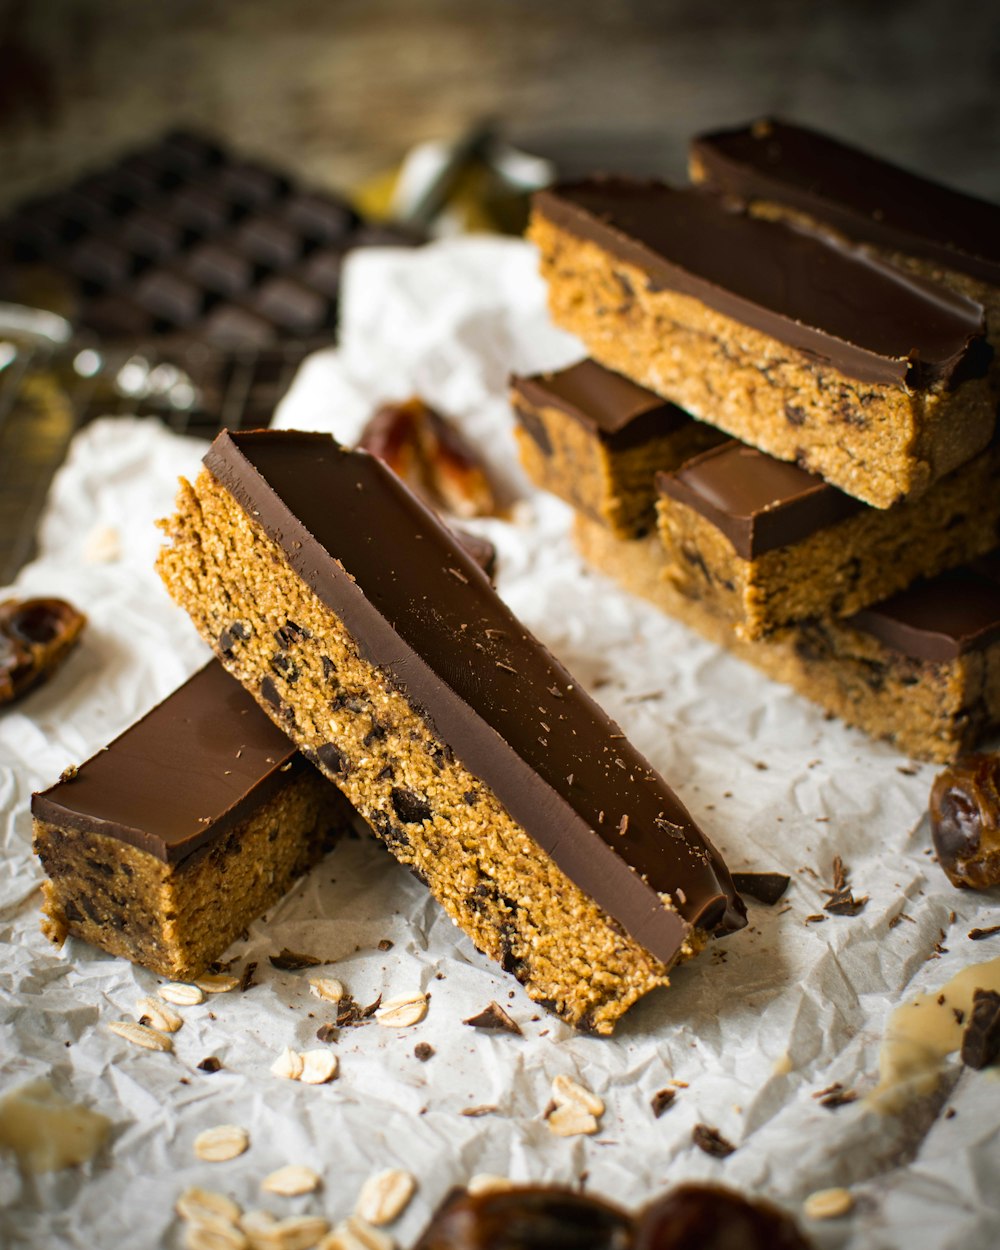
(52, 383)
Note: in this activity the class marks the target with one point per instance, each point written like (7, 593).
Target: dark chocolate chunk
(220, 268)
(293, 961)
(36, 635)
(981, 1039)
(863, 196)
(709, 1217)
(758, 502)
(191, 770)
(210, 1064)
(528, 1218)
(319, 218)
(494, 1019)
(866, 318)
(316, 500)
(661, 1100)
(711, 1141)
(965, 821)
(765, 887)
(621, 413)
(269, 241)
(409, 807)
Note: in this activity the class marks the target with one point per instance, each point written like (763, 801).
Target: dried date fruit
(35, 637)
(710, 1217)
(965, 821)
(527, 1218)
(429, 454)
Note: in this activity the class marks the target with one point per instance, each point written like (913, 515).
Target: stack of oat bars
(785, 435)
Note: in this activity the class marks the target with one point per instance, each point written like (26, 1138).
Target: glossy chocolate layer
(940, 618)
(423, 611)
(860, 195)
(759, 503)
(193, 768)
(618, 411)
(837, 305)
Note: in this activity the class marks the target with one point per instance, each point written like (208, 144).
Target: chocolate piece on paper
(765, 887)
(965, 821)
(36, 635)
(981, 1039)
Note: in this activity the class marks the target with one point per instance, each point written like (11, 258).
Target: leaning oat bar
(164, 846)
(377, 643)
(809, 349)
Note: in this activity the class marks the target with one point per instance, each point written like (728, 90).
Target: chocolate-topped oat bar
(373, 639)
(812, 350)
(766, 544)
(596, 440)
(164, 846)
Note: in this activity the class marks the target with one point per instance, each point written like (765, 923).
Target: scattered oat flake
(296, 1232)
(103, 545)
(827, 1204)
(402, 1011)
(225, 1141)
(494, 1019)
(355, 1233)
(566, 1090)
(217, 983)
(292, 961)
(214, 1234)
(291, 1180)
(385, 1196)
(201, 1204)
(488, 1183)
(328, 988)
(570, 1119)
(289, 1064)
(318, 1067)
(141, 1035)
(711, 1141)
(181, 994)
(158, 1015)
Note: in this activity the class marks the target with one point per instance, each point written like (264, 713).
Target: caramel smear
(922, 1033)
(46, 1132)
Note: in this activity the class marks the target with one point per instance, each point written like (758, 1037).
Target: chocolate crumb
(386, 944)
(292, 961)
(69, 773)
(950, 1113)
(661, 1100)
(765, 887)
(327, 1033)
(977, 935)
(981, 1039)
(247, 979)
(711, 1141)
(210, 1064)
(423, 1051)
(494, 1019)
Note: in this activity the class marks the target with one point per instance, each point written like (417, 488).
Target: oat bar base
(930, 710)
(435, 816)
(877, 442)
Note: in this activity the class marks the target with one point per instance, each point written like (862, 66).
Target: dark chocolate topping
(834, 303)
(860, 195)
(939, 618)
(424, 612)
(189, 771)
(759, 503)
(617, 410)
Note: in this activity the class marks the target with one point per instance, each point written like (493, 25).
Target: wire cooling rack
(52, 383)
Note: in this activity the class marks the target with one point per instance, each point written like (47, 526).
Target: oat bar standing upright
(806, 348)
(363, 628)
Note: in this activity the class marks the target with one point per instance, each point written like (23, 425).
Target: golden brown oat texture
(879, 443)
(436, 817)
(932, 710)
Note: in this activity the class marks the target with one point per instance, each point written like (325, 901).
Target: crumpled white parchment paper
(755, 1026)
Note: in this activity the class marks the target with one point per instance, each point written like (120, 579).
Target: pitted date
(35, 637)
(965, 821)
(527, 1218)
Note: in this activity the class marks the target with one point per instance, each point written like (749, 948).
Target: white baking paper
(754, 1027)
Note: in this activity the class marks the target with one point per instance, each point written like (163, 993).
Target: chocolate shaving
(711, 1141)
(840, 901)
(247, 979)
(765, 887)
(291, 961)
(661, 1100)
(977, 935)
(423, 1051)
(981, 1039)
(386, 944)
(350, 1013)
(210, 1064)
(494, 1019)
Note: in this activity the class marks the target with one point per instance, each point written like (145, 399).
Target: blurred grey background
(339, 90)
